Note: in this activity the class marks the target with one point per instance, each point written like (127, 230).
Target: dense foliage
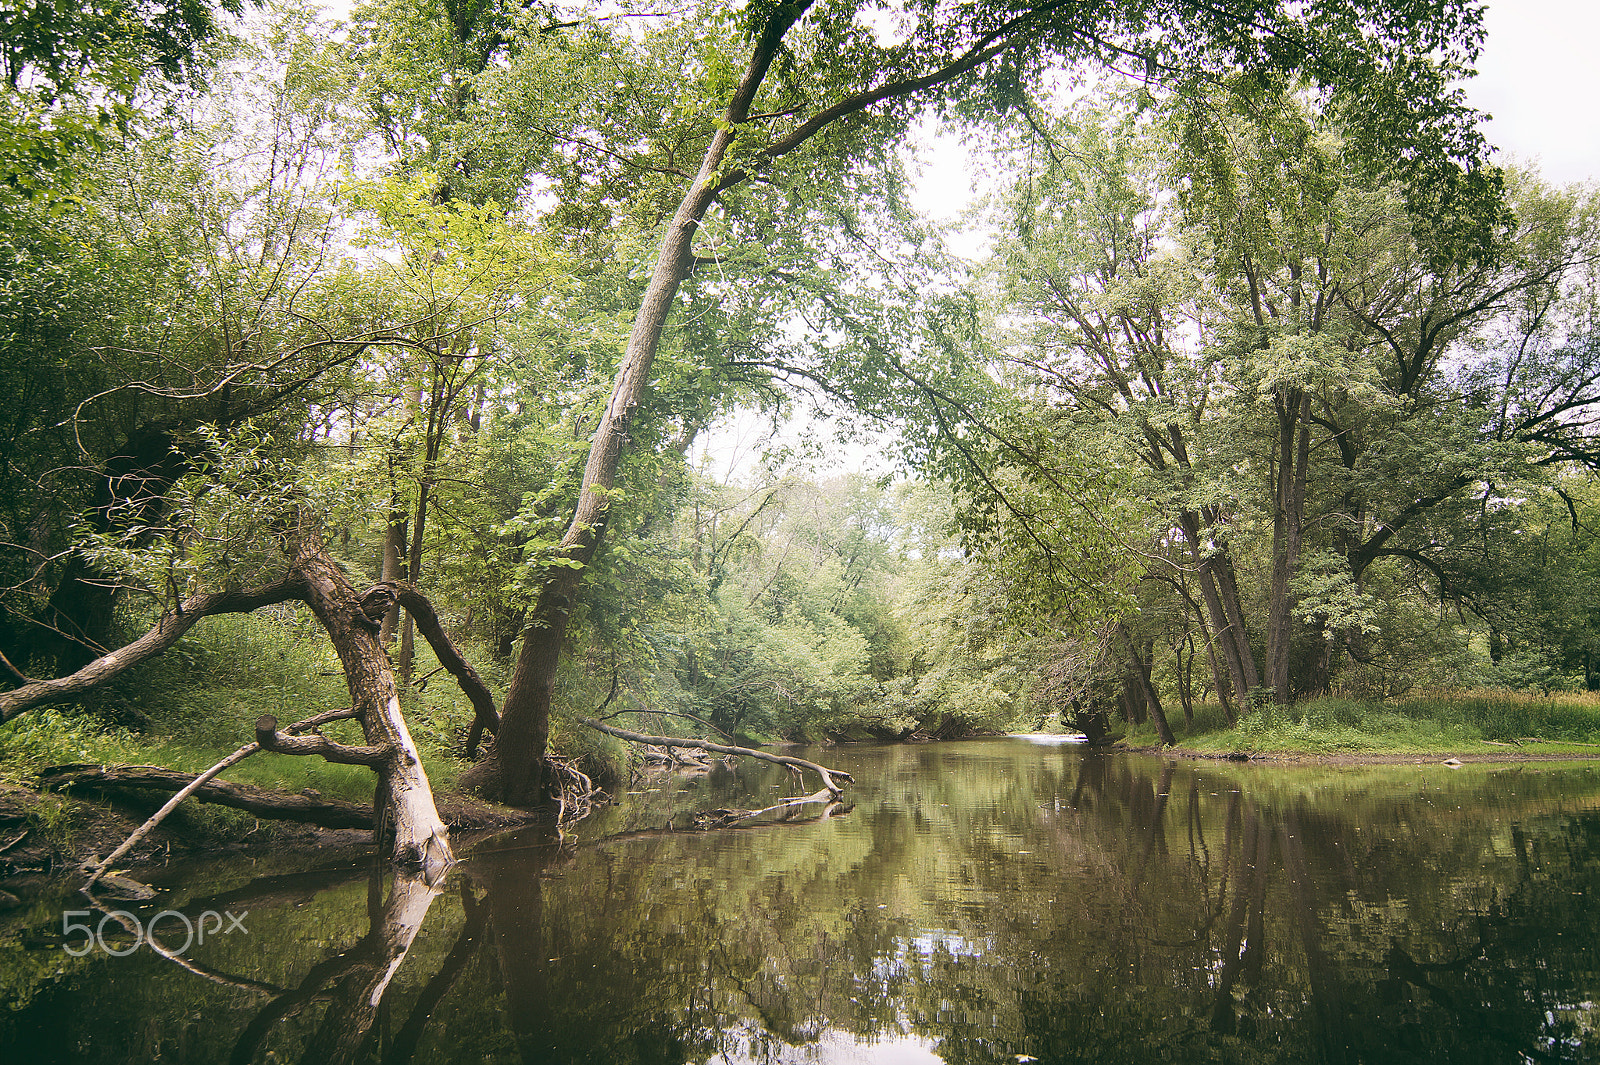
(1270, 387)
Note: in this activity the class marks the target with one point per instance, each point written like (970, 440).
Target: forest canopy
(1270, 385)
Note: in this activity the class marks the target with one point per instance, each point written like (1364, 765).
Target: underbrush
(1428, 722)
(199, 702)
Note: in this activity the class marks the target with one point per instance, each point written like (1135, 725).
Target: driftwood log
(830, 777)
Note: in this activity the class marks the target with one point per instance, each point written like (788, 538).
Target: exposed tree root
(576, 795)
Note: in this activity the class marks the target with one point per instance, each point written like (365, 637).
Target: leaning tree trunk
(514, 773)
(1141, 692)
(404, 796)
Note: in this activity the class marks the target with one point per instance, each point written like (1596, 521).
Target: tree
(71, 71)
(836, 75)
(245, 533)
(1270, 329)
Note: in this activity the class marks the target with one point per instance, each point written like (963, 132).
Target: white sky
(1539, 77)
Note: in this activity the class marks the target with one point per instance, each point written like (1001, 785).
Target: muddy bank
(45, 836)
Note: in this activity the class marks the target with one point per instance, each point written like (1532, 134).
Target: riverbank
(1484, 726)
(1566, 753)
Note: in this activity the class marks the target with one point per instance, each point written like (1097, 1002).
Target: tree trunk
(1141, 692)
(394, 568)
(514, 772)
(1220, 593)
(276, 805)
(404, 795)
(1288, 529)
(79, 621)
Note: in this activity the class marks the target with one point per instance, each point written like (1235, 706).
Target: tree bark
(1220, 593)
(485, 716)
(1288, 530)
(420, 836)
(394, 569)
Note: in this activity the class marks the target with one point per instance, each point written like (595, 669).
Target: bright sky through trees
(1539, 80)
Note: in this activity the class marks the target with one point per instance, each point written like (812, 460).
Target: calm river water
(996, 901)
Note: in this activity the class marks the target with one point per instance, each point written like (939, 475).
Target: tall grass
(1435, 721)
(200, 701)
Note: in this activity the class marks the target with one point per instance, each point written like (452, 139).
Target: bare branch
(826, 774)
(270, 739)
(485, 716)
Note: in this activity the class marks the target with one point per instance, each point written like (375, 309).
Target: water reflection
(983, 902)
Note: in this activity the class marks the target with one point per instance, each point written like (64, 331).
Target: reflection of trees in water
(354, 982)
(1161, 919)
(1093, 909)
(1277, 932)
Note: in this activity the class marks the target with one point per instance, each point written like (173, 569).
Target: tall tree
(814, 77)
(1311, 383)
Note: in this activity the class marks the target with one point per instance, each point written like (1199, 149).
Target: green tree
(1309, 387)
(819, 86)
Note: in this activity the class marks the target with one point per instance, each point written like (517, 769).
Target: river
(993, 901)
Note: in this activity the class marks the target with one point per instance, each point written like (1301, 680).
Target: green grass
(200, 701)
(1429, 723)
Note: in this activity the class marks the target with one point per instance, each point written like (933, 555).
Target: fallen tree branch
(710, 819)
(270, 739)
(826, 774)
(725, 821)
(198, 782)
(283, 806)
(168, 629)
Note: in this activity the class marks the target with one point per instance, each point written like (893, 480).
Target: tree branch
(168, 629)
(485, 716)
(826, 774)
(270, 739)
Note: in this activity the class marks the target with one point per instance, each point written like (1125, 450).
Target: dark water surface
(988, 902)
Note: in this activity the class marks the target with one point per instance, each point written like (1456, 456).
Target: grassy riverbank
(1474, 722)
(198, 703)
